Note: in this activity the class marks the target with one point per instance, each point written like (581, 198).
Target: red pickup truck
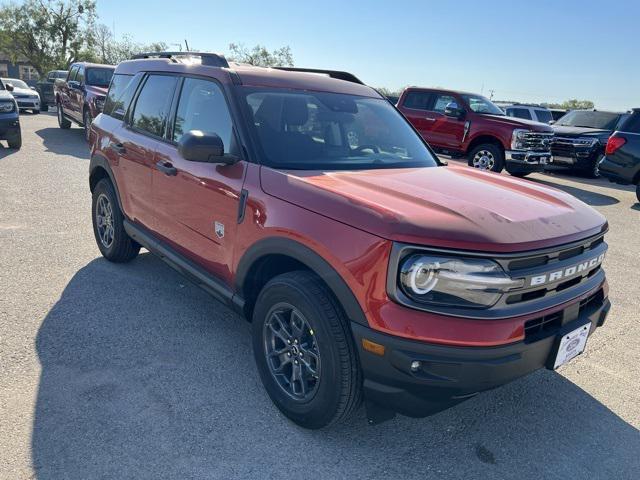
(469, 125)
(80, 97)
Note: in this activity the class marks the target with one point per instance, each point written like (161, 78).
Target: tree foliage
(260, 56)
(109, 50)
(49, 34)
(573, 104)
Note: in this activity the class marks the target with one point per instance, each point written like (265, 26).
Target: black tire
(44, 107)
(519, 174)
(15, 140)
(35, 111)
(86, 122)
(496, 154)
(63, 122)
(121, 248)
(339, 384)
(593, 171)
(638, 192)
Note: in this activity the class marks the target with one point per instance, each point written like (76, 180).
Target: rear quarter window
(119, 95)
(417, 100)
(632, 124)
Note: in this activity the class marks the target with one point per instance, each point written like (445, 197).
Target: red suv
(305, 201)
(471, 126)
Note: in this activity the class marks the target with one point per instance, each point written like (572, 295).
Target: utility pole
(186, 44)
(491, 92)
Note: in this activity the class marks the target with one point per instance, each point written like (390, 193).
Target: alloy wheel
(291, 352)
(104, 220)
(484, 160)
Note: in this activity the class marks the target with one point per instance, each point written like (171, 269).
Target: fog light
(415, 365)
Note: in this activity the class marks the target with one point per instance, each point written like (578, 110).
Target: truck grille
(537, 141)
(563, 147)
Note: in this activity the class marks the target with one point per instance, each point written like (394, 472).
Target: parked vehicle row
(305, 201)
(26, 97)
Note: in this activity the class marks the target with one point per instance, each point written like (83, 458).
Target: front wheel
(304, 351)
(518, 174)
(63, 122)
(638, 192)
(488, 157)
(108, 228)
(35, 111)
(15, 140)
(44, 107)
(593, 170)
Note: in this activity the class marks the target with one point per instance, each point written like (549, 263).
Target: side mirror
(454, 111)
(551, 122)
(9, 87)
(198, 146)
(75, 85)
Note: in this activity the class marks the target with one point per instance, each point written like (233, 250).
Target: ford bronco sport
(305, 201)
(469, 125)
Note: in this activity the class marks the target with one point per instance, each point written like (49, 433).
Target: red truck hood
(519, 122)
(97, 91)
(454, 207)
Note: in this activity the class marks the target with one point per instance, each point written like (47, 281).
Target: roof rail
(346, 76)
(207, 58)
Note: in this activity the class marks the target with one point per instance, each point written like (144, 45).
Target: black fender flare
(309, 258)
(100, 161)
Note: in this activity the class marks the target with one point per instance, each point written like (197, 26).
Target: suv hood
(24, 91)
(518, 122)
(453, 207)
(5, 95)
(579, 131)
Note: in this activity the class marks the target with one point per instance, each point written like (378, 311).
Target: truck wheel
(593, 171)
(35, 111)
(62, 121)
(86, 122)
(15, 140)
(111, 237)
(304, 351)
(487, 157)
(44, 107)
(519, 174)
(638, 192)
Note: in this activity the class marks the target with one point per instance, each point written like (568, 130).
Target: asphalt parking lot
(130, 371)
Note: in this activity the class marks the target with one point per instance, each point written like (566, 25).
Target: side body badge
(219, 229)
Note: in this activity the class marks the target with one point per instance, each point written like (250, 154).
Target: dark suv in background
(580, 139)
(622, 161)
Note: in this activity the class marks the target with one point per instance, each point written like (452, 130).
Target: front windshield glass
(99, 77)
(17, 83)
(481, 104)
(330, 131)
(590, 119)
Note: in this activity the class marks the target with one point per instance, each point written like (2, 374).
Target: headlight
(457, 282)
(585, 141)
(6, 106)
(518, 138)
(99, 103)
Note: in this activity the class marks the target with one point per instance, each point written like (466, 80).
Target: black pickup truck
(579, 140)
(45, 88)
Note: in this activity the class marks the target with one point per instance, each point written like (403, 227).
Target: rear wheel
(62, 121)
(487, 157)
(108, 228)
(304, 351)
(15, 140)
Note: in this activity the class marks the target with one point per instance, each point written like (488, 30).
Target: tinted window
(80, 75)
(544, 116)
(99, 77)
(202, 107)
(152, 107)
(417, 100)
(632, 124)
(331, 131)
(590, 119)
(622, 120)
(72, 73)
(119, 96)
(519, 113)
(441, 102)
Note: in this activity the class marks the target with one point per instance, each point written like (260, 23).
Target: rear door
(197, 203)
(415, 106)
(628, 155)
(137, 141)
(76, 95)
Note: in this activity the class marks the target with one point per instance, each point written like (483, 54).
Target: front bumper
(526, 161)
(28, 104)
(449, 375)
(579, 158)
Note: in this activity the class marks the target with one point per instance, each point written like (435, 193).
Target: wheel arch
(98, 169)
(276, 255)
(484, 138)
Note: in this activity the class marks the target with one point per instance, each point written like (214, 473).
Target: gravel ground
(130, 371)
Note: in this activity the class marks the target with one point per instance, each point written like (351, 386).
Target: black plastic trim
(100, 161)
(242, 206)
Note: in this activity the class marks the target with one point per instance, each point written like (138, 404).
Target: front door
(446, 132)
(197, 203)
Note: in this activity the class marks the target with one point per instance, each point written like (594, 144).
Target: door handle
(167, 168)
(118, 148)
(430, 119)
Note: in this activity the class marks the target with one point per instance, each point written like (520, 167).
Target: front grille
(555, 256)
(537, 141)
(548, 325)
(563, 147)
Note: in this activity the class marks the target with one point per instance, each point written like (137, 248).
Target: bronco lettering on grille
(567, 272)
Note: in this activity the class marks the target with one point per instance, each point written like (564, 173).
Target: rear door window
(417, 100)
(80, 75)
(519, 113)
(152, 106)
(632, 124)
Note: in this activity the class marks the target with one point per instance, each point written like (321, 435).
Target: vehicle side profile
(469, 125)
(621, 163)
(26, 97)
(369, 271)
(9, 119)
(45, 88)
(580, 140)
(80, 97)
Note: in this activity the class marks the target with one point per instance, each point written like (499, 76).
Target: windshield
(319, 130)
(17, 83)
(99, 77)
(590, 119)
(481, 104)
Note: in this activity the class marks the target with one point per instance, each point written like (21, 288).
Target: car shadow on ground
(146, 376)
(5, 151)
(65, 142)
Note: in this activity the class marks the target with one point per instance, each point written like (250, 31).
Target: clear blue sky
(536, 51)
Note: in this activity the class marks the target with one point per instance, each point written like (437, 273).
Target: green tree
(575, 104)
(106, 49)
(260, 56)
(48, 33)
